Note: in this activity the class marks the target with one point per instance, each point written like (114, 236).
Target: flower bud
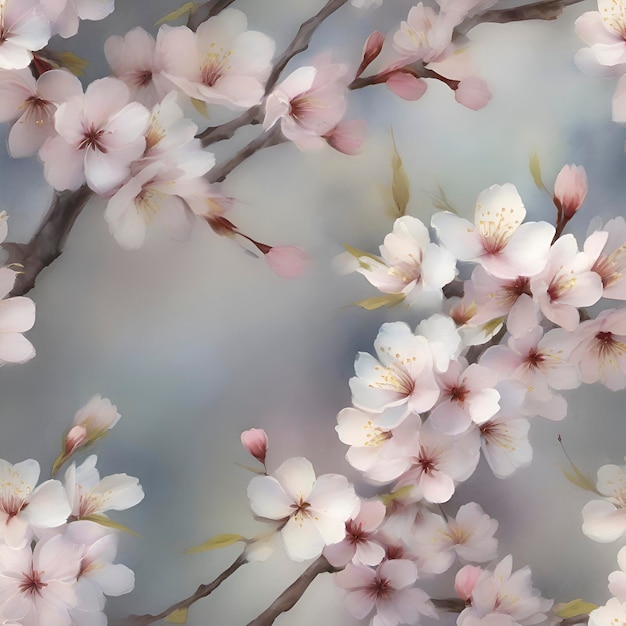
(466, 580)
(255, 442)
(473, 93)
(371, 50)
(286, 261)
(74, 439)
(570, 189)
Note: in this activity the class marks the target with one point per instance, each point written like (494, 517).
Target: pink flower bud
(570, 189)
(75, 438)
(466, 580)
(371, 50)
(255, 442)
(347, 137)
(286, 261)
(473, 93)
(406, 86)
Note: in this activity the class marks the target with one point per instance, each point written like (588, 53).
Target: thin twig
(201, 592)
(213, 134)
(49, 240)
(288, 598)
(205, 11)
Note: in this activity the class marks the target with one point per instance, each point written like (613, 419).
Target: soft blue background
(195, 342)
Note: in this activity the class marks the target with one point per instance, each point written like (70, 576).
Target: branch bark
(49, 241)
(288, 598)
(201, 592)
(205, 11)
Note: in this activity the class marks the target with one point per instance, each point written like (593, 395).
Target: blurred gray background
(198, 341)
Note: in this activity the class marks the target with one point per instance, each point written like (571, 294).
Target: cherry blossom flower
(88, 495)
(497, 240)
(610, 261)
(23, 28)
(387, 590)
(605, 520)
(309, 103)
(38, 586)
(444, 340)
(254, 441)
(468, 536)
(359, 544)
(65, 15)
(505, 597)
(566, 283)
(33, 103)
(24, 506)
(604, 31)
(409, 264)
(617, 580)
(401, 380)
(570, 189)
(467, 396)
(313, 511)
(222, 63)
(601, 350)
(613, 612)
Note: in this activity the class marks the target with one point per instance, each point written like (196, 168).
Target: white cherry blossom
(605, 520)
(23, 29)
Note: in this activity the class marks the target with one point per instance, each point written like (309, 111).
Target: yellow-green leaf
(574, 608)
(179, 616)
(386, 498)
(200, 106)
(109, 523)
(399, 182)
(188, 7)
(535, 170)
(219, 541)
(580, 480)
(389, 299)
(359, 254)
(72, 62)
(490, 327)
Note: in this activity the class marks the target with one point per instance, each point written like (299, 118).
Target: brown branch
(269, 138)
(205, 11)
(213, 134)
(288, 598)
(201, 592)
(542, 10)
(49, 241)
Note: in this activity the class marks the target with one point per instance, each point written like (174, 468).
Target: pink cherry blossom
(222, 62)
(605, 520)
(23, 506)
(498, 239)
(287, 261)
(33, 105)
(570, 189)
(360, 545)
(99, 135)
(604, 31)
(313, 511)
(23, 28)
(309, 103)
(610, 263)
(255, 442)
(388, 590)
(65, 15)
(38, 586)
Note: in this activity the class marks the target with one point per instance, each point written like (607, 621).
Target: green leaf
(386, 498)
(72, 62)
(574, 608)
(200, 106)
(188, 7)
(179, 616)
(219, 541)
(399, 182)
(389, 299)
(109, 523)
(576, 477)
(535, 170)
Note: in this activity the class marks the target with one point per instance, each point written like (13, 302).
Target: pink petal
(406, 86)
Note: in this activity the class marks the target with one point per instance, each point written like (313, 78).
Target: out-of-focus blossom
(314, 510)
(570, 189)
(617, 580)
(254, 441)
(605, 520)
(613, 612)
(359, 544)
(309, 103)
(32, 104)
(17, 315)
(458, 10)
(65, 15)
(99, 135)
(505, 597)
(388, 590)
(409, 264)
(23, 29)
(221, 63)
(498, 240)
(286, 261)
(473, 93)
(24, 506)
(366, 4)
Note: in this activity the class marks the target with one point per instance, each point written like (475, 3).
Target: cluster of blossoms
(57, 547)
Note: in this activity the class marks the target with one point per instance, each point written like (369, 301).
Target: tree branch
(213, 134)
(49, 241)
(201, 592)
(205, 11)
(288, 598)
